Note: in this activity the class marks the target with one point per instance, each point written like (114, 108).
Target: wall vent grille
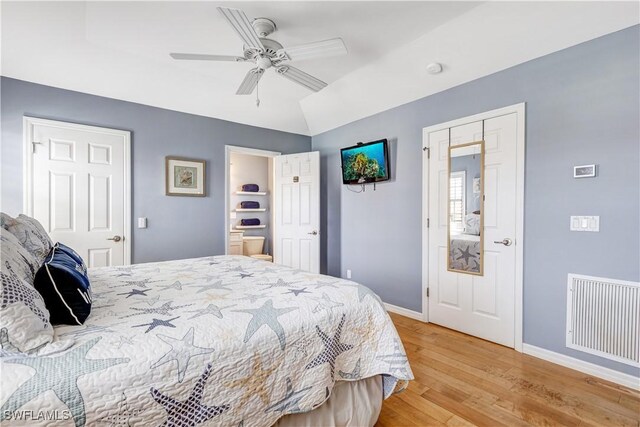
(603, 317)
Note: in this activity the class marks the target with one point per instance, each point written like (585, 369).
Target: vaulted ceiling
(120, 50)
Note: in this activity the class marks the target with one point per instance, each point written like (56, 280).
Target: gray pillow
(24, 318)
(30, 233)
(23, 263)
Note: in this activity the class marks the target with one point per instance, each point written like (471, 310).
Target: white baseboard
(582, 366)
(404, 312)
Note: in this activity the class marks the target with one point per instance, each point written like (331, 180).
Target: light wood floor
(464, 381)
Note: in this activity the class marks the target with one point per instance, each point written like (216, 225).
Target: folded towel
(251, 187)
(250, 205)
(250, 221)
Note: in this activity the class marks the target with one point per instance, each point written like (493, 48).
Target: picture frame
(476, 185)
(185, 177)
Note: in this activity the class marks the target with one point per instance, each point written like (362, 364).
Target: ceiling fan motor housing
(266, 58)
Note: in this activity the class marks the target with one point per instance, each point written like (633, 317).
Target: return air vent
(603, 318)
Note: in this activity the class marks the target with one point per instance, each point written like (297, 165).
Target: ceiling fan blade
(201, 57)
(239, 21)
(320, 49)
(301, 78)
(250, 81)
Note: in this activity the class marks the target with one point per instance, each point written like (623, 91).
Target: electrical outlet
(348, 274)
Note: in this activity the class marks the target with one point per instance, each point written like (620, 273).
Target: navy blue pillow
(73, 254)
(64, 285)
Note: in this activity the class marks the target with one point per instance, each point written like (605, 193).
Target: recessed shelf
(251, 193)
(246, 227)
(251, 210)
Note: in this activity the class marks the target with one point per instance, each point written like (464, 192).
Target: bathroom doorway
(248, 202)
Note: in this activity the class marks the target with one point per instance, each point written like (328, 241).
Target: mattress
(225, 340)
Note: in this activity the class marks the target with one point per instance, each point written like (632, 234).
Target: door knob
(506, 242)
(115, 238)
(313, 233)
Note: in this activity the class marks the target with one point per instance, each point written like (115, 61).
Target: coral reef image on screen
(366, 163)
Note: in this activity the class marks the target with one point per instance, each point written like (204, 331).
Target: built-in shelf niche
(251, 193)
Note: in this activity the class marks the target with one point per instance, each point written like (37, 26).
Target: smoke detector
(434, 68)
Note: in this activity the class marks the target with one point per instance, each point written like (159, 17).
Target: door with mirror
(472, 212)
(465, 208)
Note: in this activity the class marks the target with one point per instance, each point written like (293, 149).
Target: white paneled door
(77, 186)
(297, 211)
(482, 306)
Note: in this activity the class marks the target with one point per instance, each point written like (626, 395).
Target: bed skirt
(351, 404)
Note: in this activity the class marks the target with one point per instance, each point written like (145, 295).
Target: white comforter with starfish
(207, 341)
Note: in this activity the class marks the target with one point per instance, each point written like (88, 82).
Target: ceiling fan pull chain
(258, 94)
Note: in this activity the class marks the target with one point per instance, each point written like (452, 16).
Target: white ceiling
(487, 39)
(120, 50)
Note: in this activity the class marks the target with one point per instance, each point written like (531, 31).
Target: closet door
(478, 304)
(78, 188)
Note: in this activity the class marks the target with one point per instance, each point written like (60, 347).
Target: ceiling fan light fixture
(263, 62)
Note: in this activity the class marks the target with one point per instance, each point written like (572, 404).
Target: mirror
(465, 208)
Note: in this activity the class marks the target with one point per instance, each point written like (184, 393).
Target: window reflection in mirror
(466, 195)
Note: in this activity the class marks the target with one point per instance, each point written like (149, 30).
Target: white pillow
(472, 224)
(30, 233)
(24, 318)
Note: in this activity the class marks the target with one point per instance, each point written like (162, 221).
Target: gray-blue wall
(582, 108)
(179, 227)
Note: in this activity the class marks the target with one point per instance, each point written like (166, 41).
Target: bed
(225, 340)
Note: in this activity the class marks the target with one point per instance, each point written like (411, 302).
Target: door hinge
(428, 151)
(33, 145)
(427, 292)
(428, 222)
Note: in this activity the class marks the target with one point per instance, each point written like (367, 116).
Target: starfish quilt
(223, 341)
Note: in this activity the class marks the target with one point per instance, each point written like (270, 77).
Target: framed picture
(476, 185)
(184, 177)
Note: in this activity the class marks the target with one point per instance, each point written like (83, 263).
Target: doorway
(249, 209)
(279, 217)
(472, 268)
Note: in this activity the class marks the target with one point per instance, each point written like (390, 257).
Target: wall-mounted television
(364, 163)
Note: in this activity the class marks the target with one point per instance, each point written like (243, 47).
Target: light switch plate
(585, 223)
(142, 222)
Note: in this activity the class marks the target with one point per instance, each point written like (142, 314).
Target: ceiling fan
(268, 53)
